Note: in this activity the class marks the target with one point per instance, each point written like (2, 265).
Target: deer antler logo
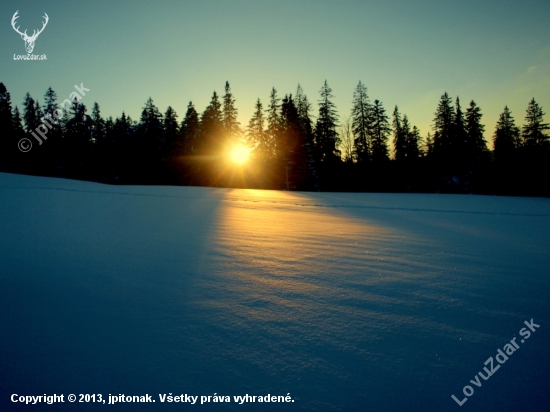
(29, 40)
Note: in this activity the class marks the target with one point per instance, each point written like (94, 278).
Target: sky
(407, 53)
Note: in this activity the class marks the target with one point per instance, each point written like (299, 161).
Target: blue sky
(406, 52)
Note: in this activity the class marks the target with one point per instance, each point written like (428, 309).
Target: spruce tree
(40, 119)
(5, 109)
(122, 139)
(52, 117)
(380, 129)
(98, 132)
(266, 171)
(399, 136)
(80, 149)
(189, 131)
(7, 140)
(211, 128)
(294, 151)
(17, 121)
(123, 125)
(77, 142)
(30, 114)
(413, 139)
(304, 108)
(256, 133)
(288, 141)
(428, 145)
(171, 130)
(66, 117)
(443, 127)
(123, 150)
(326, 135)
(534, 129)
(38, 111)
(506, 139)
(150, 129)
(211, 145)
(109, 124)
(476, 144)
(150, 145)
(360, 123)
(69, 121)
(459, 145)
(273, 123)
(50, 104)
(18, 133)
(82, 125)
(406, 131)
(229, 117)
(101, 153)
(105, 159)
(535, 153)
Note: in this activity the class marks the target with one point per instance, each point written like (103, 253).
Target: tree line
(292, 148)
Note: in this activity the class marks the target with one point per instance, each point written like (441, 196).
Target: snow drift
(385, 302)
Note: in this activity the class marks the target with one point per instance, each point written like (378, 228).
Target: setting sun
(240, 154)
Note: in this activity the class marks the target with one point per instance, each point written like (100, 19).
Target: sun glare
(240, 154)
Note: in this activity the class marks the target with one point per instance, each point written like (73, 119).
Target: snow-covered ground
(349, 302)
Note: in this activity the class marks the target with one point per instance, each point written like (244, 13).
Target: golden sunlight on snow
(281, 258)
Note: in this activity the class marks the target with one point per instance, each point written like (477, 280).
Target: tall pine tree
(256, 133)
(5, 110)
(211, 128)
(444, 126)
(380, 129)
(360, 124)
(148, 163)
(8, 142)
(476, 144)
(98, 132)
(30, 114)
(413, 139)
(273, 123)
(326, 135)
(506, 139)
(509, 173)
(303, 106)
(459, 146)
(211, 144)
(294, 151)
(150, 129)
(399, 136)
(171, 130)
(534, 129)
(189, 131)
(230, 124)
(51, 116)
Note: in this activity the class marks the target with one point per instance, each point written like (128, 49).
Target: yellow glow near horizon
(240, 154)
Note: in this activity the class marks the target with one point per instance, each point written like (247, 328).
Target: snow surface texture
(349, 302)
